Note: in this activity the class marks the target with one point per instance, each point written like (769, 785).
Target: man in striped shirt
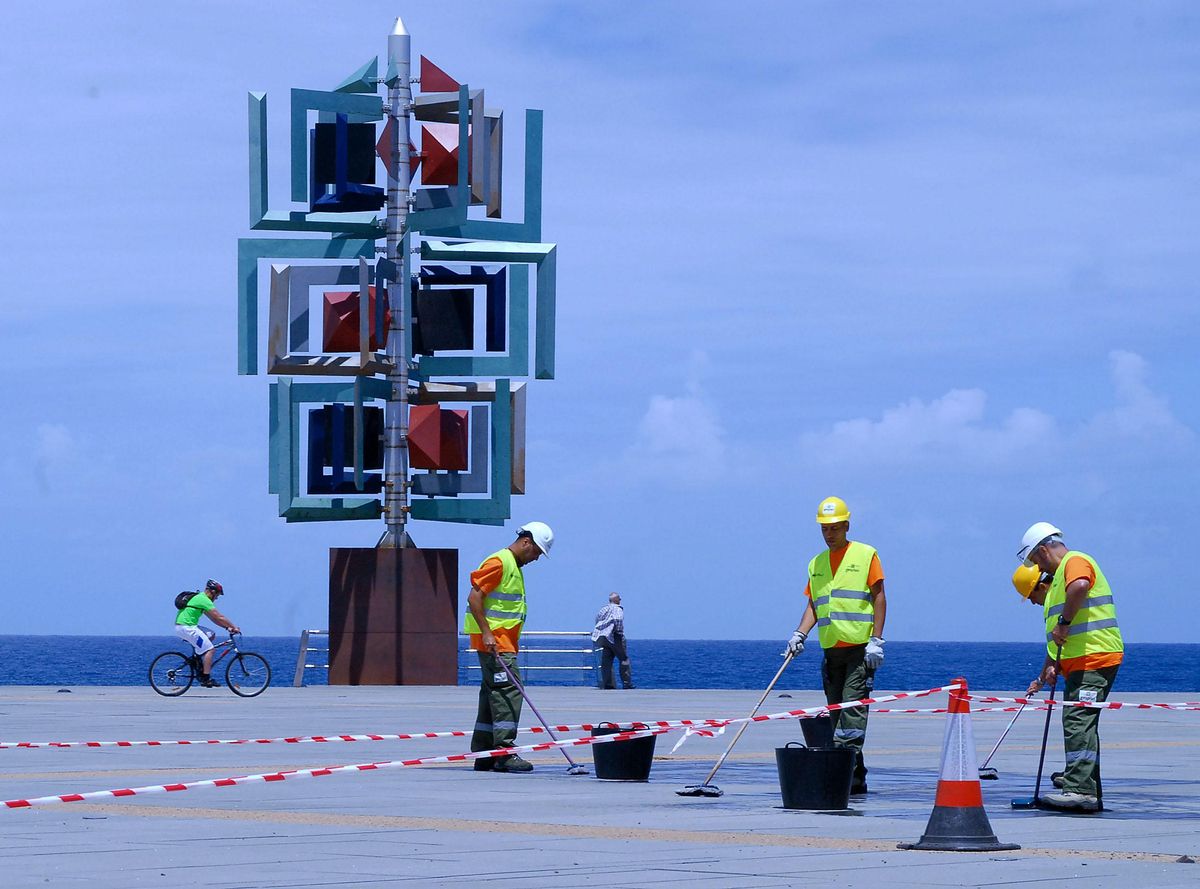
(610, 635)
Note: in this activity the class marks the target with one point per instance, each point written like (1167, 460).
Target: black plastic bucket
(815, 777)
(623, 760)
(818, 731)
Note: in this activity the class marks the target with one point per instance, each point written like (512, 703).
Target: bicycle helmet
(213, 587)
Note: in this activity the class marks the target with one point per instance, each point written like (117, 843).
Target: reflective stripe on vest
(843, 605)
(1094, 629)
(504, 607)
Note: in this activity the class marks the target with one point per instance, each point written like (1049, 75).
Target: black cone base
(959, 830)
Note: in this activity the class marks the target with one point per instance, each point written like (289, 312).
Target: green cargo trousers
(846, 677)
(499, 703)
(1081, 729)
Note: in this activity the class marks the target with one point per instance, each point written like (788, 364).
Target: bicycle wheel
(171, 674)
(248, 674)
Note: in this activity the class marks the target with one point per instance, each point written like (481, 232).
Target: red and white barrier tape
(974, 710)
(416, 736)
(1105, 705)
(326, 739)
(457, 757)
(323, 772)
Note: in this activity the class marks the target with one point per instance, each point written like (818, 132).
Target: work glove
(795, 645)
(874, 656)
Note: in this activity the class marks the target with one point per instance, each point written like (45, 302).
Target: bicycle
(247, 674)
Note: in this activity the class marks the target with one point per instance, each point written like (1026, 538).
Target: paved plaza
(447, 825)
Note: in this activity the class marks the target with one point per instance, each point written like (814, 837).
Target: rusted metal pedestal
(393, 616)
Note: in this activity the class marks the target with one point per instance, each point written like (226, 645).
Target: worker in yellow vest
(847, 605)
(1081, 620)
(495, 615)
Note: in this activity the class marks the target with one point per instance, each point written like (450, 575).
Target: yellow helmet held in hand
(832, 510)
(1025, 579)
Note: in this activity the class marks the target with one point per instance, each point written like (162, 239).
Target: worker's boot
(1073, 802)
(512, 763)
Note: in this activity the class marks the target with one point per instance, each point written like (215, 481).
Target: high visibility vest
(505, 605)
(845, 611)
(1094, 628)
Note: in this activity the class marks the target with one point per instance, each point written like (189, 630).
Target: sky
(938, 259)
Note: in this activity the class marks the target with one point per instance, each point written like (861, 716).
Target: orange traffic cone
(958, 822)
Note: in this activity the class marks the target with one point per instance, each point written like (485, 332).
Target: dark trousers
(616, 649)
(846, 677)
(499, 703)
(1081, 729)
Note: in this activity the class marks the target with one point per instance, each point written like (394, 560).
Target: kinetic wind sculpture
(431, 353)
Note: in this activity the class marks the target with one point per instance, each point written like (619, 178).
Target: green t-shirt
(190, 614)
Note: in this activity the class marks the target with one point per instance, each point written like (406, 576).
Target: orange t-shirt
(874, 575)
(486, 578)
(1080, 568)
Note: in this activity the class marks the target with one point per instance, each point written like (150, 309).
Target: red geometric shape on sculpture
(424, 436)
(435, 80)
(437, 439)
(383, 148)
(341, 321)
(439, 150)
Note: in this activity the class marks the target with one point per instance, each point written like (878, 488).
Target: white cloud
(680, 438)
(953, 431)
(1139, 412)
(951, 428)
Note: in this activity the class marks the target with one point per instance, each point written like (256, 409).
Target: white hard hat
(1037, 533)
(541, 534)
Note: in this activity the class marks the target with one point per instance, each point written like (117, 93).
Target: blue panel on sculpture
(331, 446)
(356, 150)
(285, 448)
(516, 362)
(443, 320)
(264, 219)
(543, 256)
(496, 326)
(303, 101)
(349, 194)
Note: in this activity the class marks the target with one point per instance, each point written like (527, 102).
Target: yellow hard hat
(832, 510)
(1025, 579)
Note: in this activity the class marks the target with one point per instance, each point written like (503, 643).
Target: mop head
(988, 774)
(701, 790)
(577, 769)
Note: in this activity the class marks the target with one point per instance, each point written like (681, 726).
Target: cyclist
(203, 603)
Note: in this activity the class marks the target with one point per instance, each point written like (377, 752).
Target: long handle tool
(710, 789)
(989, 774)
(1032, 802)
(574, 768)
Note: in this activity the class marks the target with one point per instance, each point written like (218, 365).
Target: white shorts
(200, 640)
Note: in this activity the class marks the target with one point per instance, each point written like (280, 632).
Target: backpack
(183, 598)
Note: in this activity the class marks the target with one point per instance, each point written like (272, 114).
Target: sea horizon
(94, 659)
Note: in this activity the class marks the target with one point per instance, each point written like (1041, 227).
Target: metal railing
(581, 661)
(306, 649)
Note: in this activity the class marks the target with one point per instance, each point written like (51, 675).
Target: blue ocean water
(657, 663)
